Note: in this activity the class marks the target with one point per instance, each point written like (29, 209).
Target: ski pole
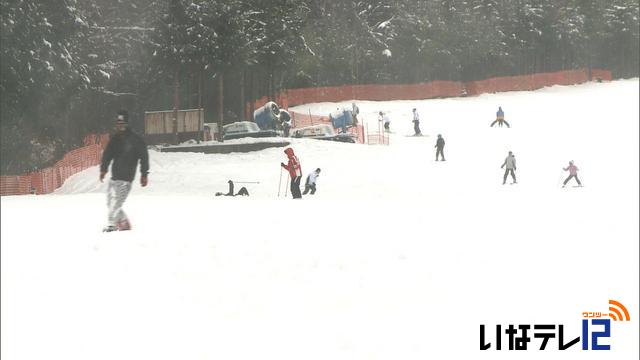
(286, 189)
(280, 182)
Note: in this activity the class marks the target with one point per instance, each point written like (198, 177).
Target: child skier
(310, 183)
(573, 173)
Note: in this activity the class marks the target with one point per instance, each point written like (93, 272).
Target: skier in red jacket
(295, 171)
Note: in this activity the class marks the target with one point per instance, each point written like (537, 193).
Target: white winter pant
(117, 193)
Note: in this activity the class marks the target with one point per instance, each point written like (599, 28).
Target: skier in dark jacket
(295, 171)
(125, 149)
(440, 147)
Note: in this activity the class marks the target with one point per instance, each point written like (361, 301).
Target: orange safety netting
(47, 180)
(434, 89)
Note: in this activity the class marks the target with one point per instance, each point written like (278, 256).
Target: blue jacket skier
(500, 118)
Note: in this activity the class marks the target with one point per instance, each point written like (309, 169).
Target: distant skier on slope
(355, 110)
(310, 183)
(500, 118)
(125, 149)
(510, 163)
(573, 173)
(285, 119)
(384, 120)
(286, 128)
(295, 172)
(440, 147)
(416, 123)
(387, 122)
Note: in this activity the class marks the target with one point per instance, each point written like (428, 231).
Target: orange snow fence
(434, 89)
(47, 180)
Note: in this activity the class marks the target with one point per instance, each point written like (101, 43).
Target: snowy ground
(396, 256)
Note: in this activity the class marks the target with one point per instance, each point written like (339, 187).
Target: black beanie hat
(123, 115)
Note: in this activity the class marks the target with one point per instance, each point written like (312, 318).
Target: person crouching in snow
(243, 191)
(295, 172)
(387, 122)
(500, 118)
(573, 173)
(310, 184)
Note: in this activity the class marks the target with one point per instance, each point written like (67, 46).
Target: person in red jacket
(295, 171)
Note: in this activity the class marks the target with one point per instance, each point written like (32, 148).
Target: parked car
(242, 129)
(322, 132)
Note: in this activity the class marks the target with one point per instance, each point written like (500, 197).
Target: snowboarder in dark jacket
(125, 149)
(440, 147)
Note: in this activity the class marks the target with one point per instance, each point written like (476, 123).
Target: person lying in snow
(243, 191)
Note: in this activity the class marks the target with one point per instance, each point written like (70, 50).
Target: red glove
(102, 174)
(143, 180)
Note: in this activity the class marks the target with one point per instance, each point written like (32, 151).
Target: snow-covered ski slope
(395, 257)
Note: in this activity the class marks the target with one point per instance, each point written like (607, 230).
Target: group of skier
(384, 119)
(126, 148)
(295, 173)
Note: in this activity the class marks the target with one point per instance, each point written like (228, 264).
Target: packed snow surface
(396, 256)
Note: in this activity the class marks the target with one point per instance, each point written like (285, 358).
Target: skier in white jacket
(310, 183)
(510, 163)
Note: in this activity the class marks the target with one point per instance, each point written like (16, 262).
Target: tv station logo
(596, 326)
